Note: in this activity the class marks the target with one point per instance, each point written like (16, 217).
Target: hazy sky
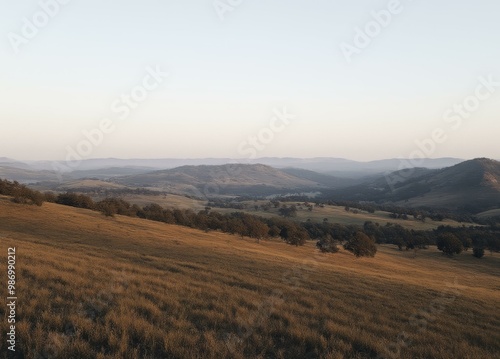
(231, 68)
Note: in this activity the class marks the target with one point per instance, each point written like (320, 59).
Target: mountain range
(471, 186)
(327, 165)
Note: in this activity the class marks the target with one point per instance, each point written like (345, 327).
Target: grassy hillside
(472, 186)
(88, 184)
(338, 214)
(96, 287)
(334, 214)
(321, 178)
(169, 200)
(489, 214)
(214, 180)
(25, 174)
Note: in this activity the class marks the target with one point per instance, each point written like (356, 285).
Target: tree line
(21, 193)
(360, 240)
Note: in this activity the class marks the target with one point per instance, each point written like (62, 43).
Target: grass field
(171, 201)
(488, 214)
(337, 214)
(96, 287)
(334, 214)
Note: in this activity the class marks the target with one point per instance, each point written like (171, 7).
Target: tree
(371, 229)
(236, 226)
(274, 231)
(108, 209)
(327, 244)
(449, 244)
(478, 252)
(111, 206)
(75, 200)
(361, 245)
(293, 234)
(154, 212)
(50, 197)
(36, 197)
(493, 244)
(467, 243)
(288, 211)
(20, 193)
(254, 227)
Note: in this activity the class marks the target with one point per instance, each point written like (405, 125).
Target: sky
(362, 80)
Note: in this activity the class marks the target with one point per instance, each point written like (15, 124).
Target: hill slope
(320, 178)
(237, 179)
(25, 175)
(472, 186)
(124, 287)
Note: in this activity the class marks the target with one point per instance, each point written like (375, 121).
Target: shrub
(467, 243)
(108, 209)
(449, 244)
(293, 234)
(361, 245)
(50, 197)
(75, 200)
(288, 211)
(478, 252)
(327, 244)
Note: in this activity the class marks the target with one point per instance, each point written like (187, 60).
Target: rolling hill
(98, 287)
(321, 178)
(333, 166)
(472, 186)
(24, 174)
(231, 179)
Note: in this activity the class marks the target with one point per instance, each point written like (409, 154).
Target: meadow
(338, 214)
(334, 214)
(89, 286)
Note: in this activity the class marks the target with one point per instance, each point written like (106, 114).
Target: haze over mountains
(233, 179)
(112, 166)
(446, 183)
(472, 186)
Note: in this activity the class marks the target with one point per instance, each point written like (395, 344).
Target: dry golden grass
(96, 287)
(171, 201)
(90, 183)
(338, 214)
(334, 214)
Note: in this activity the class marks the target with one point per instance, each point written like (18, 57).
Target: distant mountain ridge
(235, 179)
(472, 186)
(326, 165)
(320, 178)
(25, 174)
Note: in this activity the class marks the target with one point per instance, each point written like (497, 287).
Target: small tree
(36, 198)
(478, 252)
(288, 211)
(449, 244)
(108, 210)
(50, 197)
(293, 234)
(327, 244)
(361, 245)
(467, 243)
